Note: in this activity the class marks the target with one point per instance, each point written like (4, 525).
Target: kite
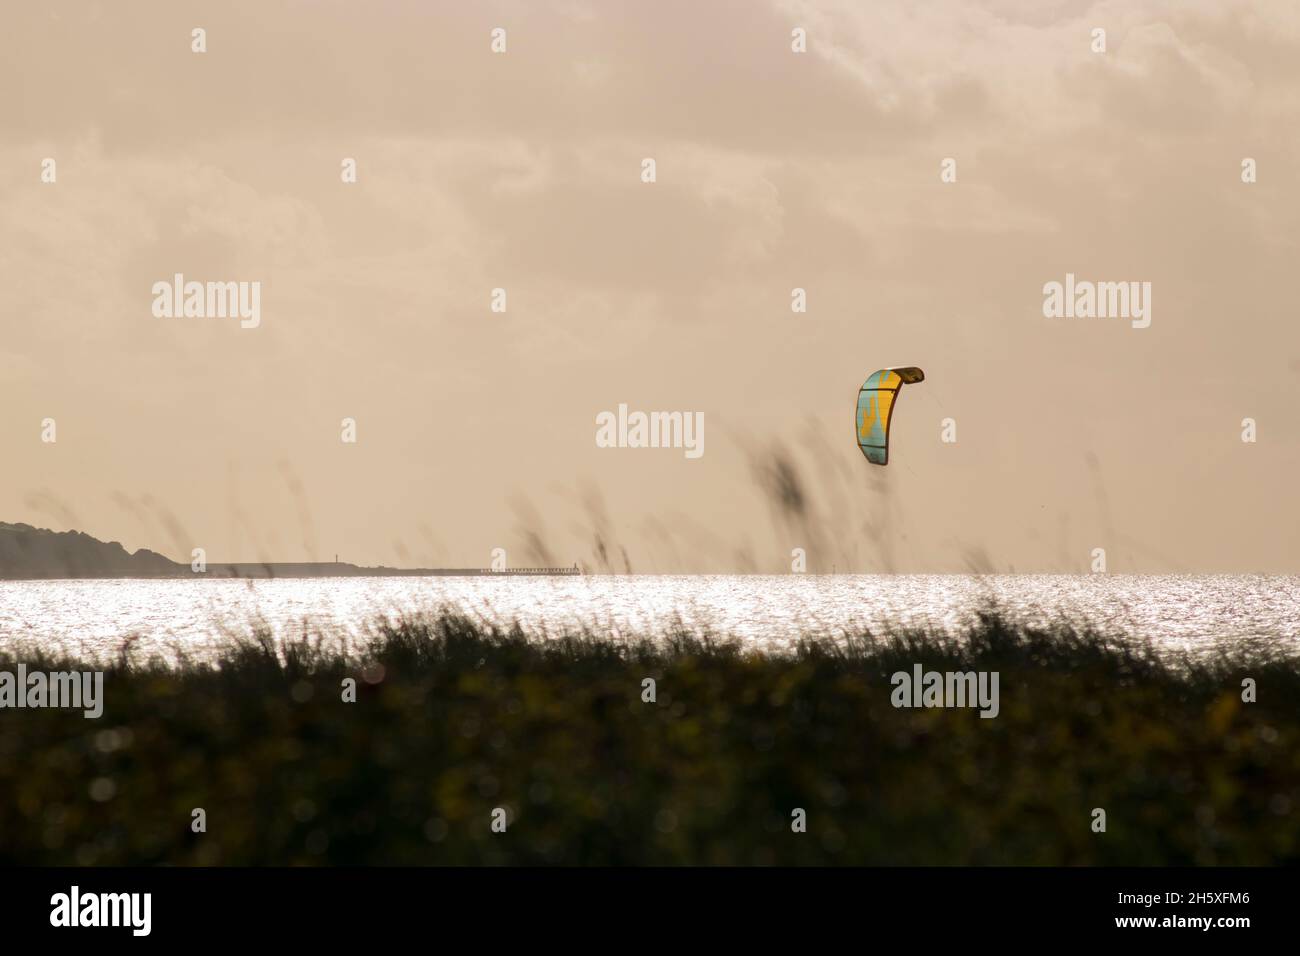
(876, 401)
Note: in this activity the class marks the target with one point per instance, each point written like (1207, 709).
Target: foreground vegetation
(453, 720)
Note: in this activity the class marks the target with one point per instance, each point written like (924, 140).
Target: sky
(774, 170)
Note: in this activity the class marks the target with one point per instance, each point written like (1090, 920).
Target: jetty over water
(336, 569)
(508, 571)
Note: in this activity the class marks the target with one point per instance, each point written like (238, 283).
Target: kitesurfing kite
(876, 401)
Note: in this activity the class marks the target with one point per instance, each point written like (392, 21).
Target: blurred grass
(454, 718)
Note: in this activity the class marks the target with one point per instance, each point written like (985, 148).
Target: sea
(1179, 615)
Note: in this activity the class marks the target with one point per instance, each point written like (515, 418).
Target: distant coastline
(32, 554)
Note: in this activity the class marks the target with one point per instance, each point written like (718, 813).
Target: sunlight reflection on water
(1198, 613)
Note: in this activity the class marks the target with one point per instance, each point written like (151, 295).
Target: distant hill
(27, 552)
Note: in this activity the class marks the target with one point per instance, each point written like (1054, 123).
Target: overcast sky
(775, 170)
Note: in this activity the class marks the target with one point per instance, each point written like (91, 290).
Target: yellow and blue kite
(876, 401)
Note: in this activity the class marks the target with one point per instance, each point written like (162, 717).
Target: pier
(575, 570)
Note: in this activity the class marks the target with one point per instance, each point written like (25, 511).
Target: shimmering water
(1178, 613)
